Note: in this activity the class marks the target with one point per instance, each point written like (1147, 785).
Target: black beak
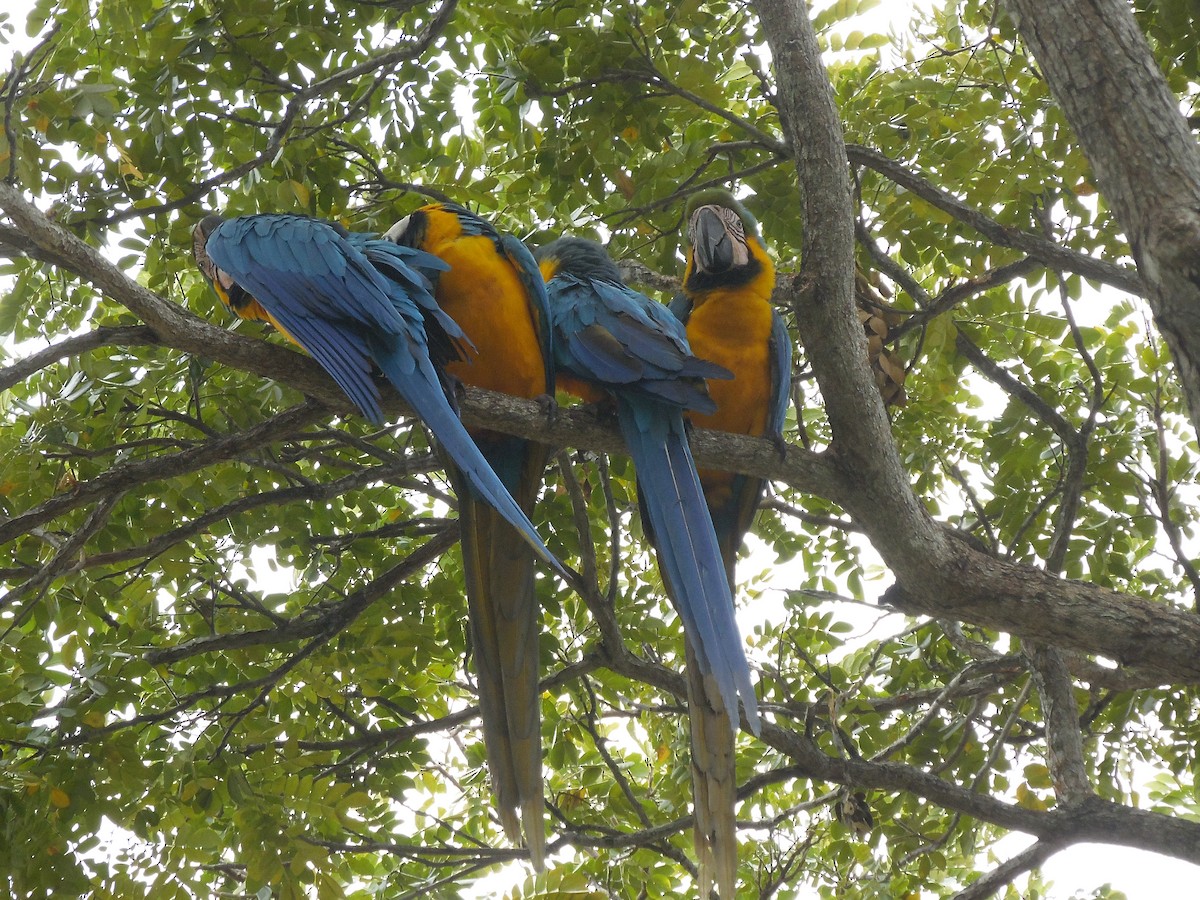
(711, 244)
(238, 297)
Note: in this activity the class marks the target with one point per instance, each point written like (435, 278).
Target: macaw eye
(203, 260)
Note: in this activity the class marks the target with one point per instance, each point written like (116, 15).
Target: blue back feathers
(617, 339)
(320, 286)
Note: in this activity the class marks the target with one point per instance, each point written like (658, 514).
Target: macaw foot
(549, 408)
(781, 445)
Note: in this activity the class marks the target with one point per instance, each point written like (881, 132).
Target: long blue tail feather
(687, 547)
(424, 395)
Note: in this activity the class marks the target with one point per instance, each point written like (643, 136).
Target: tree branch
(308, 493)
(71, 548)
(127, 336)
(404, 52)
(124, 476)
(307, 625)
(1007, 872)
(1045, 251)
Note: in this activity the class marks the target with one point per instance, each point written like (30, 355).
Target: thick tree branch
(1033, 604)
(823, 295)
(1064, 738)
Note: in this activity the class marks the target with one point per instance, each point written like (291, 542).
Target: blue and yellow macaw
(492, 288)
(611, 337)
(352, 302)
(726, 306)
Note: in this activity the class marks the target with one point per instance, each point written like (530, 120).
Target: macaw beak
(712, 244)
(235, 296)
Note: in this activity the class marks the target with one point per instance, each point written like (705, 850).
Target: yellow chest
(484, 295)
(254, 312)
(732, 329)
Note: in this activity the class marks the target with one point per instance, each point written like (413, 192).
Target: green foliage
(339, 758)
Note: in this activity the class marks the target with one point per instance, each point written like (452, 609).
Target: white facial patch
(394, 233)
(734, 229)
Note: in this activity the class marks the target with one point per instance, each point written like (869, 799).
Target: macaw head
(724, 250)
(719, 232)
(435, 224)
(409, 231)
(231, 293)
(579, 257)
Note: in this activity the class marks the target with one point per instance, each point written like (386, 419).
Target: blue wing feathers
(680, 307)
(618, 339)
(352, 302)
(622, 337)
(307, 266)
(345, 359)
(416, 272)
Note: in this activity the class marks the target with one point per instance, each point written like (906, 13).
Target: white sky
(1076, 872)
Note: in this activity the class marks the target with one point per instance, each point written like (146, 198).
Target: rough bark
(823, 294)
(1101, 71)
